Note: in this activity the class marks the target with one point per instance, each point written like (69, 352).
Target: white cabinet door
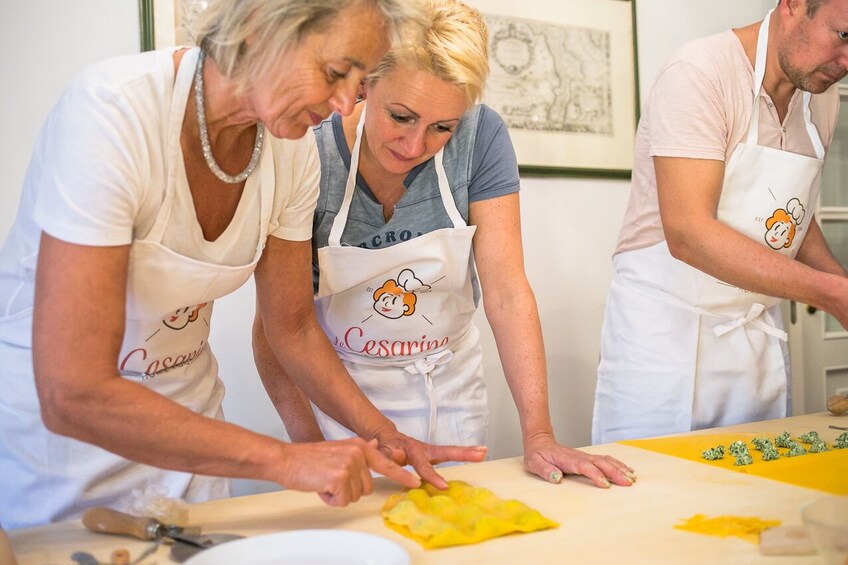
(823, 356)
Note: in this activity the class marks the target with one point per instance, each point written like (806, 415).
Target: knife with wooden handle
(108, 521)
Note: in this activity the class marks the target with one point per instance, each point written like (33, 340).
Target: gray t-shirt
(479, 163)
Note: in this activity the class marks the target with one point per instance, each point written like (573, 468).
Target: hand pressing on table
(544, 457)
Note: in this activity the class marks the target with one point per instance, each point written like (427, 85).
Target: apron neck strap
(339, 223)
(179, 97)
(445, 191)
(762, 51)
(812, 131)
(759, 75)
(335, 237)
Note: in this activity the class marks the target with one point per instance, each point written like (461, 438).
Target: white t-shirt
(699, 107)
(100, 167)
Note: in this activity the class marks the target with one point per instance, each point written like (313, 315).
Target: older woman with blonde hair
(161, 182)
(421, 179)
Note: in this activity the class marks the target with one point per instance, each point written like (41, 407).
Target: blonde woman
(420, 179)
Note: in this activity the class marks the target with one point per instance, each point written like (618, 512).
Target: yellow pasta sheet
(747, 528)
(461, 515)
(826, 471)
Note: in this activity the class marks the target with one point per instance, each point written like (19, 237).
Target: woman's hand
(405, 450)
(339, 471)
(544, 457)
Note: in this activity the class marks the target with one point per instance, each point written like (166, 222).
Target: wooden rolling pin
(837, 404)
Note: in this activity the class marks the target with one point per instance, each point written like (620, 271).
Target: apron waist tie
(425, 367)
(752, 317)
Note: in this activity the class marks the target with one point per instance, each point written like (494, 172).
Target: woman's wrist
(537, 435)
(273, 461)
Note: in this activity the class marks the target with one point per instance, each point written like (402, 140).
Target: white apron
(682, 350)
(165, 348)
(400, 318)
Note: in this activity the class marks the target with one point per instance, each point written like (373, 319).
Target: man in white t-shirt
(720, 226)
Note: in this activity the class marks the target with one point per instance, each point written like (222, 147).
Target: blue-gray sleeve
(494, 168)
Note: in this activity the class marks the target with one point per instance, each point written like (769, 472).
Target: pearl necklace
(204, 133)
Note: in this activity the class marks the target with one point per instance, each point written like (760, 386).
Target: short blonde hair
(455, 48)
(223, 27)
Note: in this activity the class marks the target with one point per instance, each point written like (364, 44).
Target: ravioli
(462, 514)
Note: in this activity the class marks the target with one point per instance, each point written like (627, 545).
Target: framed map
(563, 78)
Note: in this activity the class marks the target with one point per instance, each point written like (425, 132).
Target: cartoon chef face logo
(781, 230)
(179, 319)
(782, 225)
(391, 301)
(396, 298)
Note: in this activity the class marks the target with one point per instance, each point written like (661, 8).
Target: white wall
(569, 225)
(43, 44)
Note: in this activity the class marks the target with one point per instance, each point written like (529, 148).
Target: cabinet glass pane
(834, 186)
(836, 234)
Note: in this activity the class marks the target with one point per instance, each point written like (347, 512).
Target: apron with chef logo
(165, 348)
(705, 352)
(400, 318)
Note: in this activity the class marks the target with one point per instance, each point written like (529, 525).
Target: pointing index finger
(426, 470)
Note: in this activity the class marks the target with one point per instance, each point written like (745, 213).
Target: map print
(549, 77)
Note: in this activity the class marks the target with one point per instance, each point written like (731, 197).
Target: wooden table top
(619, 525)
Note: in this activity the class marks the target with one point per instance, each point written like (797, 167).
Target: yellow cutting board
(826, 471)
